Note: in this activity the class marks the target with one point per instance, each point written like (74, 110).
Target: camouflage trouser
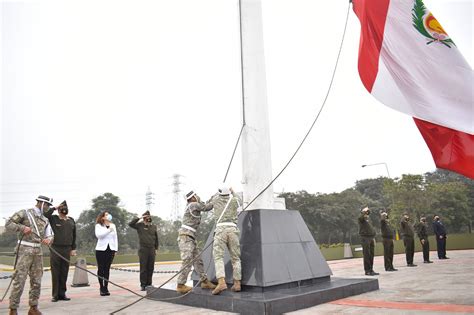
(30, 262)
(227, 236)
(189, 250)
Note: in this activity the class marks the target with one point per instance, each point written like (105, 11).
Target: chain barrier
(134, 270)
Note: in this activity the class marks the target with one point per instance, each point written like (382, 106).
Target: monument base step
(271, 302)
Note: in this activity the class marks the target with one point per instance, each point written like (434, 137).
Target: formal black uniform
(422, 232)
(148, 239)
(64, 243)
(440, 232)
(387, 239)
(408, 234)
(367, 237)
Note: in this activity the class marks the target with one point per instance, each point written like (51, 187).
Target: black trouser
(409, 243)
(426, 250)
(104, 260)
(368, 246)
(441, 243)
(59, 269)
(147, 265)
(388, 253)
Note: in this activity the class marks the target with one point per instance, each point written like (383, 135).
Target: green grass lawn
(119, 259)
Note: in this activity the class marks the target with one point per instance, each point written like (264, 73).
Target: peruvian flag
(408, 62)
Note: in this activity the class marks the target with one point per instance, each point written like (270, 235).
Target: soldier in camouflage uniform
(226, 234)
(30, 223)
(187, 243)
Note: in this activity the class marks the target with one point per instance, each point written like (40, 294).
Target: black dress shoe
(446, 257)
(104, 293)
(64, 298)
(54, 299)
(428, 262)
(411, 265)
(142, 288)
(394, 269)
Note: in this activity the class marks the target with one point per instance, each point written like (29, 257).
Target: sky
(117, 96)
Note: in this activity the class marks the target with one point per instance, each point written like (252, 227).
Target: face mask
(109, 217)
(148, 220)
(64, 211)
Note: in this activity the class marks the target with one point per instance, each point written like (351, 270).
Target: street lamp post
(386, 166)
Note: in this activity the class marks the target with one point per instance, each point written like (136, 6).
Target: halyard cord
(258, 195)
(278, 175)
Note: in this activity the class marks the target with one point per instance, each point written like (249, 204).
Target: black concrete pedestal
(282, 269)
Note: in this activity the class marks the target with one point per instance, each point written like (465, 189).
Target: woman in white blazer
(107, 245)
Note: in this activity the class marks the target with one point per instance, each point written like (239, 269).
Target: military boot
(182, 288)
(236, 286)
(34, 310)
(221, 286)
(12, 312)
(206, 284)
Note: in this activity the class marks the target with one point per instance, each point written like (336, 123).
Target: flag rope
(279, 173)
(146, 296)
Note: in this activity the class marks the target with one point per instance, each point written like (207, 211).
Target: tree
(330, 217)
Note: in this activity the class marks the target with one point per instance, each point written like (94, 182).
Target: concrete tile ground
(444, 287)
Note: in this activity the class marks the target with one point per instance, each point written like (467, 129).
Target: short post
(80, 278)
(347, 251)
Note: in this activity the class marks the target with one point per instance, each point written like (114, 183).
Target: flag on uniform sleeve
(408, 62)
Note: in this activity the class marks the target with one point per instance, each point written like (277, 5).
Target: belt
(226, 224)
(25, 243)
(188, 228)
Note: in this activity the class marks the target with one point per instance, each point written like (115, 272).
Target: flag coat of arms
(408, 62)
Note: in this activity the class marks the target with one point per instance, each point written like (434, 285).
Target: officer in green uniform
(387, 239)
(187, 243)
(367, 236)
(35, 228)
(226, 235)
(422, 231)
(64, 228)
(408, 235)
(148, 245)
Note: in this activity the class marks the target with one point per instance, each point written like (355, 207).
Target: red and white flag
(408, 62)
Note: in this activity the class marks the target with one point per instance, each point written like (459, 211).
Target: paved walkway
(444, 287)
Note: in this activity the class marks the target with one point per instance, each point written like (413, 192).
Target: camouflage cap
(42, 198)
(190, 194)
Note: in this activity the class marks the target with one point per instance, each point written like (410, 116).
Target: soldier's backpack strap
(31, 218)
(223, 211)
